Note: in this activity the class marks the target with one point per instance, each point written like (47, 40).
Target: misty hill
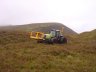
(41, 27)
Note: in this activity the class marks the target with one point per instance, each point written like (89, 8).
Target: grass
(20, 54)
(42, 27)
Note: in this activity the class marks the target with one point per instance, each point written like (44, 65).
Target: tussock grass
(20, 54)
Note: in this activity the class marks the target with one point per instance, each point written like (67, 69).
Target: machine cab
(55, 33)
(58, 33)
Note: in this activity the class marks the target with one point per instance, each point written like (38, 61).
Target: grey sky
(79, 15)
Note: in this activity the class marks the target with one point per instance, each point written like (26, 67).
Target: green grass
(20, 54)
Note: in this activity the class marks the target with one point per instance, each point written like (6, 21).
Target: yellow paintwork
(40, 35)
(36, 35)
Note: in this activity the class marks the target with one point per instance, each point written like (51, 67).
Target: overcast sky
(79, 15)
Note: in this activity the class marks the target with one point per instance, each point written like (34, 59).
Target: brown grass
(20, 54)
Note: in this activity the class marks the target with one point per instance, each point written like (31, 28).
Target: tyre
(51, 41)
(62, 40)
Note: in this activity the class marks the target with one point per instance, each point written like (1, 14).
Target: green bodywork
(54, 36)
(51, 34)
(48, 36)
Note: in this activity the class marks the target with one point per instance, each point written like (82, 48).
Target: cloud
(79, 15)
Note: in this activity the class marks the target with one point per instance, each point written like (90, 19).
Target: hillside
(43, 27)
(88, 35)
(19, 53)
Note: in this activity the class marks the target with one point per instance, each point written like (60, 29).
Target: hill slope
(43, 27)
(88, 35)
(18, 53)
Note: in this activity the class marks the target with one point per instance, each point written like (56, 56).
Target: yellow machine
(55, 36)
(37, 35)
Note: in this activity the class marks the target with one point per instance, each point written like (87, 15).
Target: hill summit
(41, 27)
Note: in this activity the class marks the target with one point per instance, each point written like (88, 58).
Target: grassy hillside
(88, 35)
(43, 27)
(18, 53)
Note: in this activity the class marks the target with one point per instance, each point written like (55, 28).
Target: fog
(79, 15)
